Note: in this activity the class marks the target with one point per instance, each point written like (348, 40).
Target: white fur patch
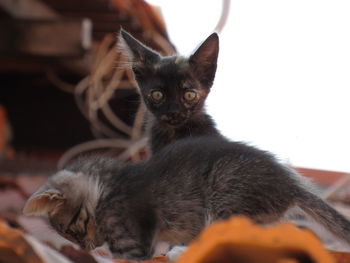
(208, 219)
(175, 253)
(94, 192)
(161, 249)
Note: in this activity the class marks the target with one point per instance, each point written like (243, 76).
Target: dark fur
(177, 192)
(173, 117)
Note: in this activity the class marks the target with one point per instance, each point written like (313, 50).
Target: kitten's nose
(173, 108)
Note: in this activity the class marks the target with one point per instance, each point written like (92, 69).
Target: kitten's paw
(102, 251)
(161, 249)
(175, 252)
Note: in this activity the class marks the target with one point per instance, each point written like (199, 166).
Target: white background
(283, 76)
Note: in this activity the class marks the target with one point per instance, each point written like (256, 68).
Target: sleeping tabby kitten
(174, 89)
(173, 195)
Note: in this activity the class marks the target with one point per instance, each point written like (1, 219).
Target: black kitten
(173, 195)
(174, 89)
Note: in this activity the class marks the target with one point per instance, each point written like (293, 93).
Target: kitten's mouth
(173, 121)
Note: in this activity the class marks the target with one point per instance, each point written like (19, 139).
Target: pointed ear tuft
(137, 52)
(43, 203)
(204, 60)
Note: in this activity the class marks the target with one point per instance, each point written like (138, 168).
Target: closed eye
(86, 221)
(75, 217)
(70, 235)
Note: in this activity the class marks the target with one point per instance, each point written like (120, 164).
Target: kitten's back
(234, 178)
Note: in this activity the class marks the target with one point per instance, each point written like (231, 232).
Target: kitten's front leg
(130, 249)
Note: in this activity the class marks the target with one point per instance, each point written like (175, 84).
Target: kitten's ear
(204, 60)
(141, 56)
(44, 202)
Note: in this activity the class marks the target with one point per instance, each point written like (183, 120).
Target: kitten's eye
(190, 95)
(157, 95)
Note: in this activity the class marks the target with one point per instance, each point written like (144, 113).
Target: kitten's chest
(161, 136)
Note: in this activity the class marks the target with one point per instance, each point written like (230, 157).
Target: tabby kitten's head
(173, 88)
(69, 200)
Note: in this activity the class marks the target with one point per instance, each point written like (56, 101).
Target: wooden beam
(48, 38)
(28, 9)
(322, 177)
